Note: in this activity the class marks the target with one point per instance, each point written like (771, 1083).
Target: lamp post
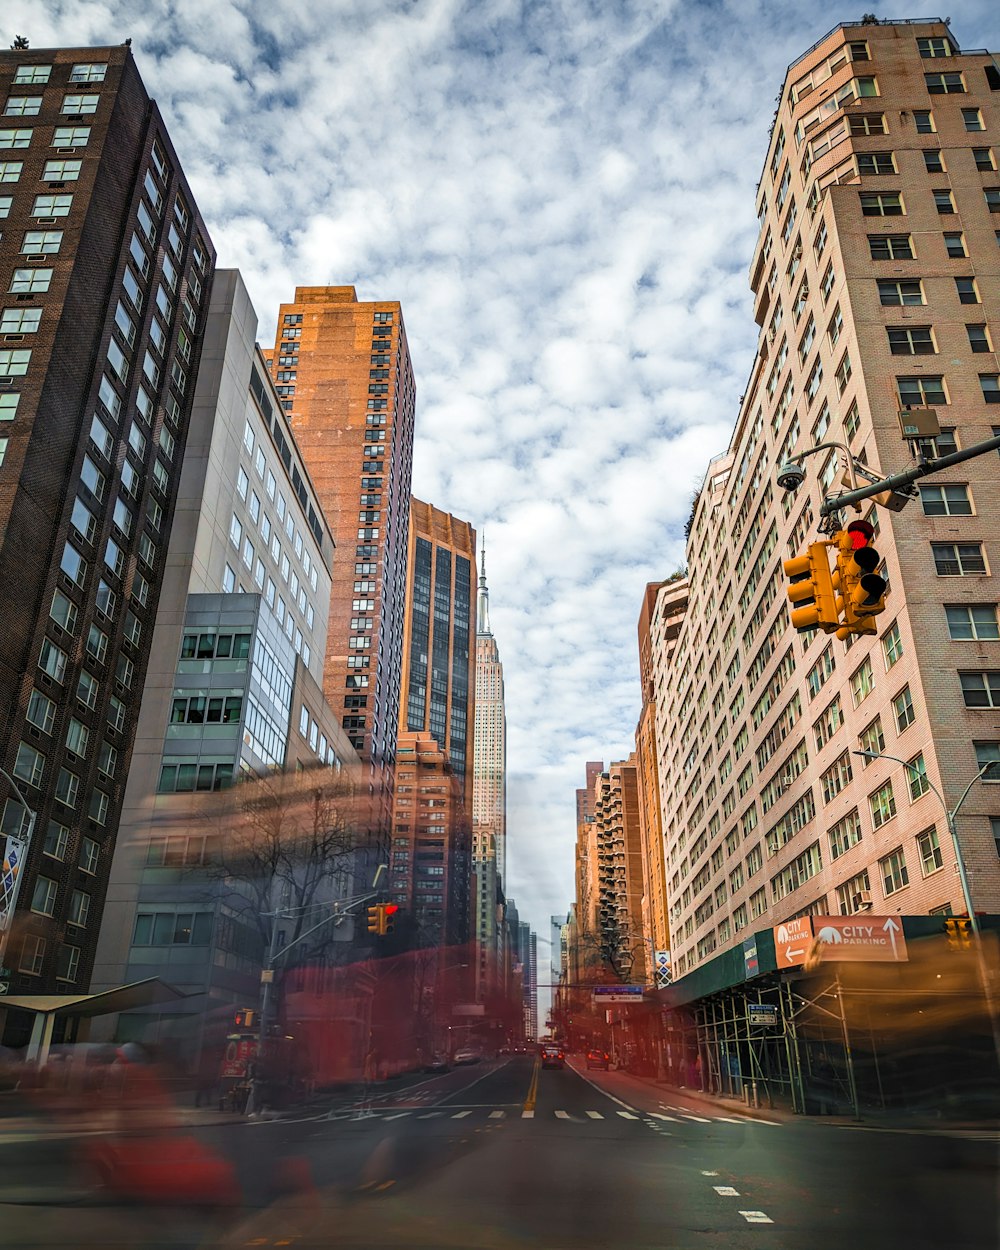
(9, 891)
(974, 925)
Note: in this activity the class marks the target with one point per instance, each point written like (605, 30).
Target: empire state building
(489, 789)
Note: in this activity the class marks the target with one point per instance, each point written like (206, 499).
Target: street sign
(4, 987)
(661, 961)
(604, 994)
(763, 1015)
(792, 941)
(853, 939)
(750, 962)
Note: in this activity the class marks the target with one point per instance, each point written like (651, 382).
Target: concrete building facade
(876, 283)
(105, 271)
(618, 838)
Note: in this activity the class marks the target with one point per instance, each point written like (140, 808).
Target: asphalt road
(503, 1156)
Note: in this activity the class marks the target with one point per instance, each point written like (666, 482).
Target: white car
(468, 1054)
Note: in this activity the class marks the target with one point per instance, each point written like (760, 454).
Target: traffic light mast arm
(833, 503)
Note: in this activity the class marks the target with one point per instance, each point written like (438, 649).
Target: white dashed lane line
(756, 1217)
(595, 1115)
(726, 1191)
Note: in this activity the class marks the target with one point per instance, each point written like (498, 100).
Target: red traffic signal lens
(390, 909)
(861, 532)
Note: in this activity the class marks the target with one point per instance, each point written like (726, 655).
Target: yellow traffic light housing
(389, 911)
(859, 590)
(375, 918)
(810, 591)
(958, 930)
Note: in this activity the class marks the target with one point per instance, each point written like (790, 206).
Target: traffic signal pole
(833, 503)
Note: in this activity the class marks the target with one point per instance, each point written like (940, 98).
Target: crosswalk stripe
(398, 1115)
(698, 1119)
(658, 1115)
(627, 1115)
(460, 1115)
(595, 1115)
(730, 1119)
(497, 1115)
(431, 1115)
(563, 1115)
(527, 1115)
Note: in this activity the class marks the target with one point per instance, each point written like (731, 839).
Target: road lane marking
(532, 1095)
(756, 1217)
(497, 1115)
(710, 1173)
(730, 1119)
(527, 1115)
(563, 1115)
(593, 1085)
(595, 1115)
(460, 1115)
(431, 1115)
(658, 1115)
(726, 1191)
(399, 1115)
(699, 1119)
(627, 1115)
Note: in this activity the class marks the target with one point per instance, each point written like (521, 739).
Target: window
(893, 871)
(992, 195)
(23, 106)
(973, 120)
(943, 201)
(883, 805)
(988, 757)
(902, 707)
(979, 341)
(934, 47)
(892, 291)
(890, 247)
(972, 621)
(881, 204)
(29, 281)
(52, 660)
(43, 901)
(14, 363)
(20, 320)
(90, 853)
(876, 163)
(932, 161)
(52, 206)
(862, 682)
(173, 928)
(71, 136)
(945, 84)
(984, 159)
(15, 139)
(916, 776)
(954, 244)
(923, 120)
(980, 689)
(61, 171)
(844, 834)
(946, 500)
(958, 559)
(79, 908)
(73, 565)
(88, 73)
(77, 737)
(41, 711)
(87, 689)
(63, 612)
(80, 103)
(32, 75)
(990, 384)
(67, 962)
(921, 392)
(67, 787)
(911, 341)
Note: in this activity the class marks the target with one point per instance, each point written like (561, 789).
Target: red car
(598, 1059)
(553, 1057)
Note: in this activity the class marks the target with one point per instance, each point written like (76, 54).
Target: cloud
(562, 197)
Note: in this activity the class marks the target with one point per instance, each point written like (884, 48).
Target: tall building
(489, 792)
(343, 371)
(654, 881)
(876, 282)
(233, 688)
(105, 269)
(619, 872)
(431, 842)
(586, 948)
(438, 678)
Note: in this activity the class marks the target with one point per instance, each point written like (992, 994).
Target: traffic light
(810, 590)
(375, 918)
(243, 1018)
(959, 932)
(859, 590)
(389, 917)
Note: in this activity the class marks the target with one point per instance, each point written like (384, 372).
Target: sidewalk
(23, 1128)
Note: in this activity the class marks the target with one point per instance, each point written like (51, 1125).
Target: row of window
(893, 204)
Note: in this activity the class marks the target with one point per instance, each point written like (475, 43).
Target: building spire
(483, 604)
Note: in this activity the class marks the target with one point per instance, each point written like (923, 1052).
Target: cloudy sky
(561, 194)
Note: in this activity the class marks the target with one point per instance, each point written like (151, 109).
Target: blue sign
(750, 956)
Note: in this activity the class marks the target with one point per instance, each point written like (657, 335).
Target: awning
(121, 998)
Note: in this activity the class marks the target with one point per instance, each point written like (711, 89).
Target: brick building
(105, 270)
(876, 282)
(618, 840)
(342, 369)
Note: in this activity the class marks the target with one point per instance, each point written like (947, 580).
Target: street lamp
(949, 817)
(9, 890)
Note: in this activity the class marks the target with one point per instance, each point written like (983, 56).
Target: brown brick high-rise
(343, 371)
(105, 271)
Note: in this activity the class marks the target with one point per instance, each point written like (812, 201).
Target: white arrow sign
(892, 929)
(793, 954)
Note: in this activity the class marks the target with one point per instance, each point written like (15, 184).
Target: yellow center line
(529, 1102)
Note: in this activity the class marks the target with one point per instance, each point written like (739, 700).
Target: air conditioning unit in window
(862, 899)
(46, 221)
(66, 151)
(13, 338)
(36, 258)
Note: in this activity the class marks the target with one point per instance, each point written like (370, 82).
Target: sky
(561, 195)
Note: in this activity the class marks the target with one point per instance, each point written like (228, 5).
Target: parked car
(437, 1063)
(598, 1059)
(553, 1057)
(468, 1054)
